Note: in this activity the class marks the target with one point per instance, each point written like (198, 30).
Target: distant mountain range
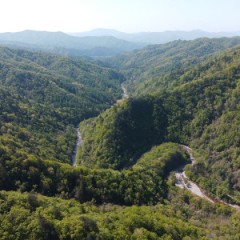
(98, 42)
(63, 43)
(156, 37)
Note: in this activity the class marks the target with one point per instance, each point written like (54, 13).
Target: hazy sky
(123, 15)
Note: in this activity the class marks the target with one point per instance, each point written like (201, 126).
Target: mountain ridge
(155, 37)
(60, 42)
(191, 101)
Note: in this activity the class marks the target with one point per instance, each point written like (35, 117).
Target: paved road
(182, 181)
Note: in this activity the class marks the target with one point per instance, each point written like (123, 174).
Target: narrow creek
(125, 93)
(78, 143)
(79, 139)
(182, 181)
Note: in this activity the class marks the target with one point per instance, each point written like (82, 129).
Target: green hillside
(205, 107)
(162, 65)
(123, 186)
(144, 183)
(119, 136)
(33, 216)
(44, 96)
(201, 111)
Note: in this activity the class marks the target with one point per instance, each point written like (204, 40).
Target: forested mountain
(119, 136)
(196, 106)
(43, 96)
(164, 64)
(62, 43)
(123, 186)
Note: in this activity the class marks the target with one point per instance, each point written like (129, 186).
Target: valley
(155, 154)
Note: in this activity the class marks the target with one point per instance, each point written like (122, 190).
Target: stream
(78, 143)
(182, 181)
(79, 139)
(125, 94)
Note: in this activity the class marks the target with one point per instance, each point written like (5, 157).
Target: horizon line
(112, 29)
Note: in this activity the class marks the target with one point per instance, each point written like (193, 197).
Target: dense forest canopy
(161, 66)
(123, 186)
(199, 106)
(44, 96)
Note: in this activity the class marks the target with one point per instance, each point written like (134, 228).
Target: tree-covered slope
(120, 135)
(43, 96)
(126, 157)
(33, 216)
(201, 111)
(162, 65)
(204, 112)
(144, 183)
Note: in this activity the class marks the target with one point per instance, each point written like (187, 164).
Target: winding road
(182, 181)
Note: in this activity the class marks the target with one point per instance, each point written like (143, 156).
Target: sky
(123, 15)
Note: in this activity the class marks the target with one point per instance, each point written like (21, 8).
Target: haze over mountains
(63, 43)
(155, 37)
(98, 42)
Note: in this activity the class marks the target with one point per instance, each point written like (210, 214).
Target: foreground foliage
(144, 183)
(32, 216)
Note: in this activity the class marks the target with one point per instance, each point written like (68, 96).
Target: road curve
(182, 181)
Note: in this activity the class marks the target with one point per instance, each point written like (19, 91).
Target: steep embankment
(182, 181)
